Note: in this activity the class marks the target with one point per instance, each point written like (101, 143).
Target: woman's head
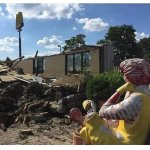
(136, 71)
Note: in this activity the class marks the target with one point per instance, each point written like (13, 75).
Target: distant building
(93, 59)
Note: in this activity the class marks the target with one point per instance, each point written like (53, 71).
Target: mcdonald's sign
(19, 20)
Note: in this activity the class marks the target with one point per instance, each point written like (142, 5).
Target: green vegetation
(124, 41)
(102, 86)
(144, 46)
(75, 42)
(125, 44)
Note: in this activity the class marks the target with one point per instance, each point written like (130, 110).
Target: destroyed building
(93, 59)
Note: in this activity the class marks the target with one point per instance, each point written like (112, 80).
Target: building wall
(102, 59)
(54, 66)
(108, 58)
(26, 65)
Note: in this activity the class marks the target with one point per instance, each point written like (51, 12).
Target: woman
(131, 116)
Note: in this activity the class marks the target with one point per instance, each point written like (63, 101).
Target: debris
(34, 106)
(30, 100)
(16, 61)
(24, 80)
(69, 80)
(3, 127)
(19, 70)
(38, 118)
(37, 79)
(34, 88)
(12, 90)
(7, 104)
(23, 134)
(3, 121)
(67, 103)
(3, 69)
(67, 119)
(26, 132)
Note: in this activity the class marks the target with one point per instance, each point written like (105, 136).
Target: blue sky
(48, 25)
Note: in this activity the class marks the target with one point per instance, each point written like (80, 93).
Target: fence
(116, 68)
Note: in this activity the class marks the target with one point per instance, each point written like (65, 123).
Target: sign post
(19, 25)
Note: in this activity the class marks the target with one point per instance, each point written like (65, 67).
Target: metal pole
(19, 43)
(60, 48)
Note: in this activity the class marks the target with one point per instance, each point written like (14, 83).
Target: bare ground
(54, 132)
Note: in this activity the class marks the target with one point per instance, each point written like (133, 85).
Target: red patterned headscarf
(137, 71)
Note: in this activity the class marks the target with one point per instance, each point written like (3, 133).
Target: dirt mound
(34, 102)
(41, 108)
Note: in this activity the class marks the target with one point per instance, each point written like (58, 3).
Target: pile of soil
(35, 108)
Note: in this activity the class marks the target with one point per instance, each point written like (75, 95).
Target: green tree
(103, 41)
(144, 46)
(123, 39)
(75, 42)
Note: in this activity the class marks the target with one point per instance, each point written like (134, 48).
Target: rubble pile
(25, 100)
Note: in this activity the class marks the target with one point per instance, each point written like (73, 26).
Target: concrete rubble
(28, 99)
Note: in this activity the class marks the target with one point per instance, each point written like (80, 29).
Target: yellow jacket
(138, 131)
(96, 131)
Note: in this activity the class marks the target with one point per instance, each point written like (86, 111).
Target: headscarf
(136, 71)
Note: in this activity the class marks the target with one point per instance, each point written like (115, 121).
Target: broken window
(80, 62)
(38, 66)
(77, 63)
(70, 63)
(86, 61)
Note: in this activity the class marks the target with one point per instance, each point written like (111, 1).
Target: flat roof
(85, 48)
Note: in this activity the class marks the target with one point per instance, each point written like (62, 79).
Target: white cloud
(9, 41)
(44, 11)
(95, 24)
(74, 28)
(141, 36)
(82, 20)
(50, 42)
(1, 12)
(6, 49)
(7, 44)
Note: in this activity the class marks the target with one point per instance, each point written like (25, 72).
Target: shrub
(102, 86)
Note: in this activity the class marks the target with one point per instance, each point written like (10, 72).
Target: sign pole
(19, 25)
(20, 43)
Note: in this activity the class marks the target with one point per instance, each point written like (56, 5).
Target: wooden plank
(20, 79)
(7, 78)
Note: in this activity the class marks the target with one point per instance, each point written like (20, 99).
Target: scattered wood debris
(29, 99)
